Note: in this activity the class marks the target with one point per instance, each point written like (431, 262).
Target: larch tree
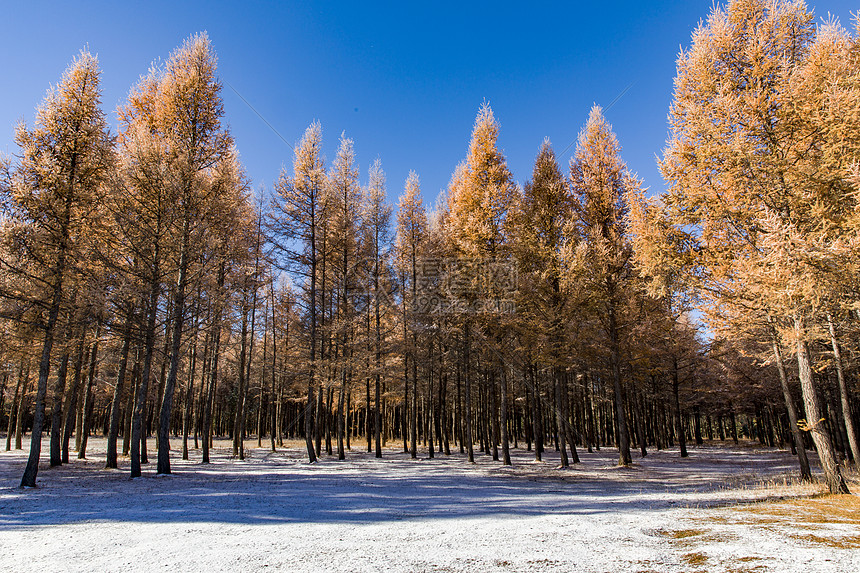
(600, 182)
(50, 195)
(410, 243)
(735, 165)
(346, 197)
(540, 222)
(140, 203)
(826, 103)
(298, 211)
(189, 119)
(479, 206)
(377, 219)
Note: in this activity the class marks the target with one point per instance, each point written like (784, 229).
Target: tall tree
(189, 120)
(600, 182)
(541, 224)
(410, 243)
(736, 163)
(298, 211)
(479, 206)
(51, 195)
(377, 217)
(345, 192)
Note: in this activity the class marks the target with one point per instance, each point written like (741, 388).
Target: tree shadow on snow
(271, 489)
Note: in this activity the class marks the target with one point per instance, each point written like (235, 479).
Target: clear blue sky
(403, 79)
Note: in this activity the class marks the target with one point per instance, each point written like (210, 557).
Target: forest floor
(725, 508)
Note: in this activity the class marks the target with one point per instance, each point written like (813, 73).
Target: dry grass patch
(843, 542)
(844, 509)
(684, 533)
(695, 559)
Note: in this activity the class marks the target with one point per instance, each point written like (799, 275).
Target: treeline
(145, 293)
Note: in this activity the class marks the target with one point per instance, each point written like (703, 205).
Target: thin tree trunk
(274, 409)
(506, 452)
(843, 395)
(624, 458)
(341, 422)
(413, 449)
(149, 347)
(377, 416)
(20, 388)
(87, 408)
(113, 431)
(568, 419)
(459, 429)
(537, 430)
(805, 472)
(467, 395)
(679, 427)
(57, 410)
(187, 416)
(59, 271)
(23, 408)
(163, 465)
(559, 418)
(239, 419)
(72, 398)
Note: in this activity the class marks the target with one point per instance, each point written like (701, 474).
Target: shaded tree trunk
(113, 430)
(87, 409)
(843, 395)
(679, 426)
(805, 472)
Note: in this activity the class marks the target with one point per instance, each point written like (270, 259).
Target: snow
(275, 511)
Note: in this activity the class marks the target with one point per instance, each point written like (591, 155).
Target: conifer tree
(410, 244)
(298, 212)
(345, 192)
(189, 117)
(600, 183)
(481, 198)
(51, 195)
(540, 221)
(377, 216)
(737, 164)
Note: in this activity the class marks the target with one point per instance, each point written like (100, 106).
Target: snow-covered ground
(276, 512)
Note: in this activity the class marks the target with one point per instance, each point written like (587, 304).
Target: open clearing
(725, 508)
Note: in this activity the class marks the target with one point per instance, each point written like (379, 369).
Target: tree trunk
(341, 423)
(467, 395)
(149, 347)
(72, 398)
(624, 458)
(805, 472)
(12, 411)
(274, 409)
(559, 418)
(377, 416)
(113, 430)
(403, 419)
(239, 418)
(821, 438)
(413, 448)
(679, 426)
(87, 408)
(57, 410)
(163, 465)
(187, 415)
(697, 426)
(59, 271)
(843, 395)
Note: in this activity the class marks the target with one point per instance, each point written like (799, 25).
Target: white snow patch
(397, 514)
